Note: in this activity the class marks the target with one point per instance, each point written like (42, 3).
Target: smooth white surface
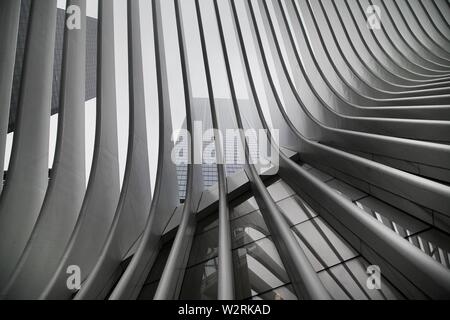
(122, 94)
(8, 148)
(151, 90)
(52, 139)
(90, 116)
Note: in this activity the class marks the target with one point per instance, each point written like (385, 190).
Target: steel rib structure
(358, 117)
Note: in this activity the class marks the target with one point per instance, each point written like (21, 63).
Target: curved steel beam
(405, 184)
(360, 58)
(436, 40)
(392, 61)
(334, 103)
(399, 52)
(67, 183)
(28, 169)
(443, 7)
(348, 65)
(9, 27)
(169, 286)
(102, 194)
(376, 144)
(426, 57)
(433, 277)
(328, 32)
(435, 17)
(304, 279)
(165, 197)
(135, 198)
(375, 62)
(226, 286)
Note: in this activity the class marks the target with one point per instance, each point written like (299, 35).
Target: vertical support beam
(9, 26)
(24, 192)
(170, 284)
(135, 198)
(165, 197)
(225, 269)
(226, 290)
(67, 184)
(169, 287)
(304, 279)
(102, 195)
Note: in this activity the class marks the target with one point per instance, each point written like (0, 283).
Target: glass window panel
(442, 222)
(247, 229)
(258, 268)
(397, 220)
(208, 223)
(322, 176)
(282, 293)
(204, 247)
(305, 166)
(349, 281)
(434, 243)
(296, 210)
(148, 291)
(247, 206)
(346, 190)
(322, 245)
(280, 190)
(158, 268)
(200, 282)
